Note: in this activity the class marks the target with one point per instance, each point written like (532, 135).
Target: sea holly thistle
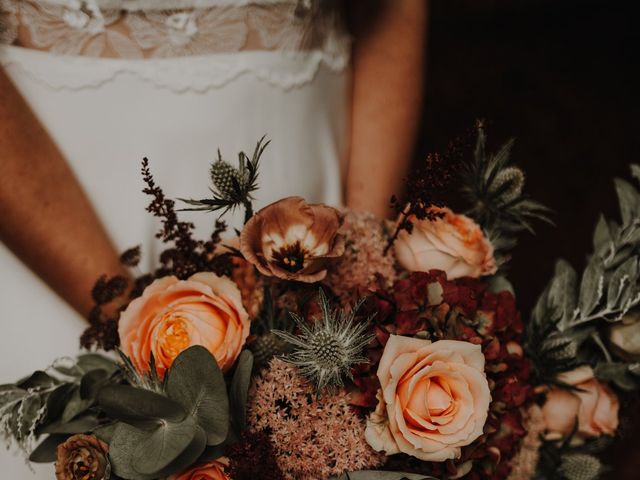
(575, 310)
(327, 349)
(494, 189)
(232, 186)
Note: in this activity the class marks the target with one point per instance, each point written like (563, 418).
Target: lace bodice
(133, 29)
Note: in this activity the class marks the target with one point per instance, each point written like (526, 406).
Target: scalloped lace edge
(134, 5)
(182, 74)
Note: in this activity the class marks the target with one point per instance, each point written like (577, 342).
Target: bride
(90, 87)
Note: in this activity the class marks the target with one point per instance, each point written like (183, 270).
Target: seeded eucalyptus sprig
(570, 321)
(494, 189)
(232, 186)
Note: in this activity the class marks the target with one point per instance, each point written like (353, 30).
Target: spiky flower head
(580, 466)
(224, 176)
(327, 349)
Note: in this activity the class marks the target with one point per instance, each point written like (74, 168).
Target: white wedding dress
(114, 81)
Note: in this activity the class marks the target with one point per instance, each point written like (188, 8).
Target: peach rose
(594, 406)
(454, 244)
(208, 471)
(434, 399)
(172, 315)
(293, 240)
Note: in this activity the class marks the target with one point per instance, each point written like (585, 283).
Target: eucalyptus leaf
(196, 382)
(602, 238)
(167, 442)
(138, 454)
(562, 293)
(106, 432)
(123, 402)
(10, 393)
(629, 200)
(94, 361)
(591, 287)
(81, 424)
(623, 279)
(635, 171)
(188, 457)
(240, 390)
(92, 382)
(46, 451)
(57, 401)
(37, 379)
(75, 406)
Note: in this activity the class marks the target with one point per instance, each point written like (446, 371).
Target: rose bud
(593, 406)
(454, 244)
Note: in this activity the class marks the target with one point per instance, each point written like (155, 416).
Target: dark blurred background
(562, 77)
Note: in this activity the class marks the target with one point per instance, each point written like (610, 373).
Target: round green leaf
(127, 403)
(196, 382)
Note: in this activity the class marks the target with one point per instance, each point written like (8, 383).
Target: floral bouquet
(331, 344)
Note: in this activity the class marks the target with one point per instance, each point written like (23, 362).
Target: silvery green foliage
(326, 350)
(154, 434)
(494, 189)
(56, 401)
(568, 320)
(580, 466)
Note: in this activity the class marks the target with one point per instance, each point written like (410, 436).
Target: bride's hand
(46, 219)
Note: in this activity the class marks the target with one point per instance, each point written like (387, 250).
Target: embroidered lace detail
(83, 27)
(8, 22)
(283, 42)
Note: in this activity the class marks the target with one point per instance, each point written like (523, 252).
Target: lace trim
(136, 5)
(196, 74)
(82, 27)
(8, 22)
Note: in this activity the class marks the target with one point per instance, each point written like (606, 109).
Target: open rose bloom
(454, 244)
(435, 398)
(293, 240)
(172, 315)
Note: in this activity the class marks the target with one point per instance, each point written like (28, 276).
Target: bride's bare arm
(387, 98)
(46, 219)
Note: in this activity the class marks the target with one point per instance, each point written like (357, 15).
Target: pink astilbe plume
(314, 437)
(363, 259)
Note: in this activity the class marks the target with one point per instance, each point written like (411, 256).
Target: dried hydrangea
(364, 258)
(313, 436)
(526, 460)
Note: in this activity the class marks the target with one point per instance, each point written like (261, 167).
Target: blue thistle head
(327, 349)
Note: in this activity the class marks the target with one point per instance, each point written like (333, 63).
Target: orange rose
(594, 406)
(208, 471)
(172, 315)
(293, 240)
(434, 399)
(454, 244)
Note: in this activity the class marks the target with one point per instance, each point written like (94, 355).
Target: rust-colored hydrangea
(313, 436)
(364, 259)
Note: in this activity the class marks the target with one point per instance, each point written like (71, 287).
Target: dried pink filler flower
(366, 238)
(525, 462)
(313, 437)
